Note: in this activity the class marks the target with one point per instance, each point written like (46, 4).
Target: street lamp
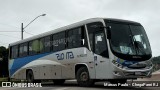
(22, 28)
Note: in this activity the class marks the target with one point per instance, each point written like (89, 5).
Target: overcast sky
(64, 12)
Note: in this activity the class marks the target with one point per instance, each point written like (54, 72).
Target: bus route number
(61, 56)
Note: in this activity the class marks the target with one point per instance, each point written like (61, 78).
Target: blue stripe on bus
(20, 62)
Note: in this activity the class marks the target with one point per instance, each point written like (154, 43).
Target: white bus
(88, 51)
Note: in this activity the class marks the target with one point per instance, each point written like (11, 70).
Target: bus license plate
(137, 73)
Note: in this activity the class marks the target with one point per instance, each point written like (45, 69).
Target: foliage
(156, 63)
(4, 61)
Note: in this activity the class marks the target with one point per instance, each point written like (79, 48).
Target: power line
(9, 36)
(28, 33)
(9, 31)
(9, 25)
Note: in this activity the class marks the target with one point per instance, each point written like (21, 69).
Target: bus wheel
(30, 77)
(83, 78)
(59, 81)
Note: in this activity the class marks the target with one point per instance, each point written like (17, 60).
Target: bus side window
(20, 50)
(69, 39)
(59, 41)
(34, 47)
(77, 38)
(47, 44)
(14, 51)
(41, 45)
(55, 42)
(23, 49)
(30, 48)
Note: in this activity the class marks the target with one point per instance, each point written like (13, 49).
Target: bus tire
(30, 77)
(59, 81)
(83, 78)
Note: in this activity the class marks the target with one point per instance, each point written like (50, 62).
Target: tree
(3, 61)
(156, 63)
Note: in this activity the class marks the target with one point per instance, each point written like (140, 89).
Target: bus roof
(77, 24)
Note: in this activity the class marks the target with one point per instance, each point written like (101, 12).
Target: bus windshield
(129, 39)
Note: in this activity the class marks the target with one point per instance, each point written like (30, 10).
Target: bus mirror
(108, 32)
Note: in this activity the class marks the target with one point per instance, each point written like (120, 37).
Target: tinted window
(55, 42)
(76, 38)
(25, 49)
(34, 47)
(20, 50)
(47, 44)
(59, 41)
(70, 39)
(14, 52)
(41, 45)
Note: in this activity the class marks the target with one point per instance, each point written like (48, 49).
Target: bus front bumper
(119, 73)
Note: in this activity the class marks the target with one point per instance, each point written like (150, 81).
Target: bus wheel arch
(78, 66)
(30, 76)
(82, 75)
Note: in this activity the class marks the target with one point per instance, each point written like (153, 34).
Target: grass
(3, 79)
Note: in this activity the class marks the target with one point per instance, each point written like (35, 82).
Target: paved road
(72, 85)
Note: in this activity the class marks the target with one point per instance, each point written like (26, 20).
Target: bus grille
(137, 66)
(135, 73)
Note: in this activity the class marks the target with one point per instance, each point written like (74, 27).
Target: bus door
(99, 48)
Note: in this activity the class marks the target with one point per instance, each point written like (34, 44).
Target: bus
(90, 50)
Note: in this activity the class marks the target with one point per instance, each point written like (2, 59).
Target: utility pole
(22, 31)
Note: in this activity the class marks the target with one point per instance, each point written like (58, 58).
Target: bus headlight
(117, 64)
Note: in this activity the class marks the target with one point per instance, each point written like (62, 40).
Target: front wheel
(30, 77)
(83, 78)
